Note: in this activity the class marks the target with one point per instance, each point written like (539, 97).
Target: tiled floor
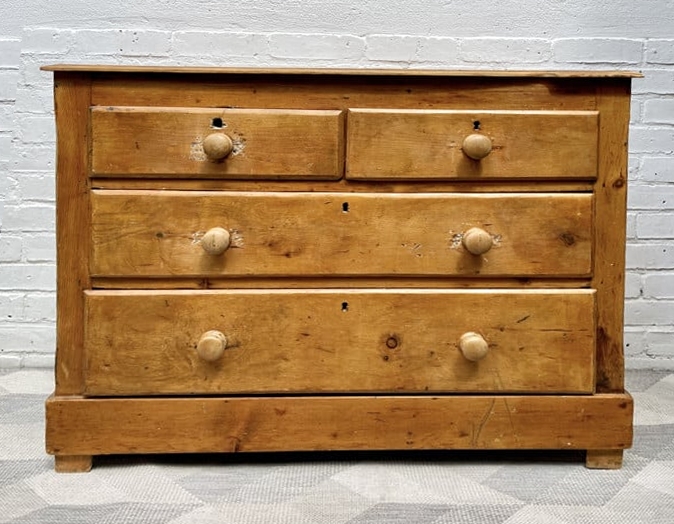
(417, 488)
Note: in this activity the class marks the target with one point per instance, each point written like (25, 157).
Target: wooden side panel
(610, 233)
(72, 98)
(144, 343)
(153, 233)
(383, 143)
(91, 426)
(168, 142)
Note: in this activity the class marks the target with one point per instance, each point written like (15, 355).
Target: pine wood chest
(269, 260)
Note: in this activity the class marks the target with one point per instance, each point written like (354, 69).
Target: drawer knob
(477, 146)
(216, 241)
(473, 346)
(217, 146)
(211, 346)
(477, 241)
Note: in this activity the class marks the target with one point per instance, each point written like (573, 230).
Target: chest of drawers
(269, 260)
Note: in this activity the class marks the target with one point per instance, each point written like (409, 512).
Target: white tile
(658, 476)
(22, 441)
(76, 489)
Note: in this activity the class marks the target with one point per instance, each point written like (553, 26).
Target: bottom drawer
(339, 341)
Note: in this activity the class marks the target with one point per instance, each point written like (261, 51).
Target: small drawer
(472, 145)
(216, 143)
(353, 341)
(233, 234)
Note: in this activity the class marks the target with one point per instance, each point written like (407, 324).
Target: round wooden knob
(477, 146)
(211, 346)
(217, 146)
(477, 241)
(473, 346)
(216, 241)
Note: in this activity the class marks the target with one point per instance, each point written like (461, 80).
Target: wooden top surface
(326, 71)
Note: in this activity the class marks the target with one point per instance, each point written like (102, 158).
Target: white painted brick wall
(584, 35)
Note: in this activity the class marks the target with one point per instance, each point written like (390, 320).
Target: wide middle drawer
(160, 234)
(152, 343)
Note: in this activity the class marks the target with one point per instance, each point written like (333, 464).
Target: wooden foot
(604, 458)
(73, 463)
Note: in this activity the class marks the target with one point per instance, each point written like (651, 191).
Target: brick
(37, 129)
(655, 225)
(441, 50)
(39, 360)
(5, 147)
(650, 256)
(651, 139)
(10, 248)
(36, 186)
(40, 247)
(649, 312)
(631, 225)
(124, 42)
(660, 343)
(598, 50)
(657, 169)
(659, 285)
(11, 361)
(651, 197)
(39, 308)
(660, 51)
(10, 53)
(316, 46)
(505, 50)
(31, 217)
(33, 158)
(659, 111)
(32, 75)
(27, 337)
(634, 341)
(655, 81)
(391, 48)
(6, 117)
(632, 285)
(11, 307)
(46, 40)
(219, 45)
(8, 85)
(635, 111)
(34, 99)
(15, 277)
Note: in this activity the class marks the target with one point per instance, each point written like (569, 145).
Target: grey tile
(13, 471)
(527, 482)
(21, 409)
(105, 514)
(637, 380)
(653, 442)
(488, 514)
(402, 513)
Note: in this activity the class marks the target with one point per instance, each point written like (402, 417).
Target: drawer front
(150, 343)
(163, 233)
(266, 143)
(425, 144)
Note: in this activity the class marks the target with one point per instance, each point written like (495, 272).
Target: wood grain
(168, 142)
(392, 143)
(92, 426)
(610, 233)
(144, 342)
(136, 233)
(72, 94)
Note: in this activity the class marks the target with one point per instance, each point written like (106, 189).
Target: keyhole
(345, 207)
(345, 306)
(217, 123)
(476, 125)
